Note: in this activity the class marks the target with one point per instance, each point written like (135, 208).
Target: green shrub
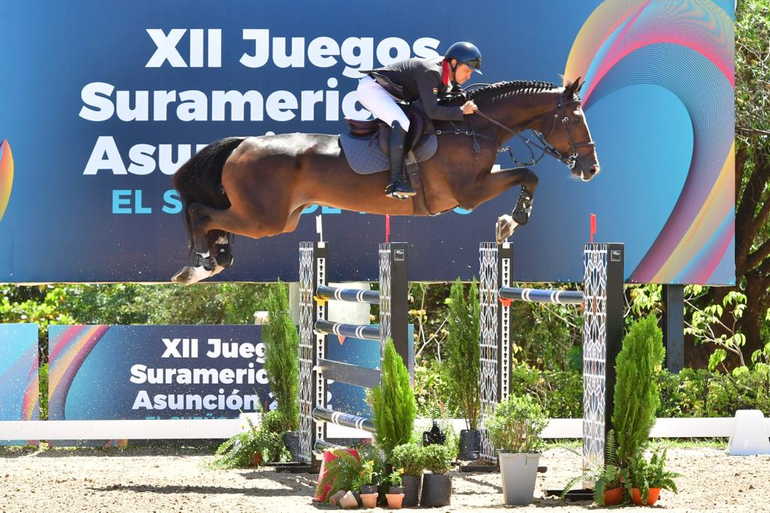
(462, 356)
(239, 450)
(637, 396)
(43, 384)
(409, 457)
(273, 422)
(516, 425)
(431, 390)
(437, 458)
(282, 356)
(560, 393)
(393, 402)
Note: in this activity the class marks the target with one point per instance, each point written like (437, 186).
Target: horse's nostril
(594, 169)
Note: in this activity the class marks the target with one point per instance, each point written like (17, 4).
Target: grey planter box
(518, 472)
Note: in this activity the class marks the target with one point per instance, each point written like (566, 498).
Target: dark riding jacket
(417, 79)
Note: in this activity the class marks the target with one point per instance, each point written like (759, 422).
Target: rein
(570, 159)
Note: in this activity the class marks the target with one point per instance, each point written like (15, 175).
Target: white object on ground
(750, 436)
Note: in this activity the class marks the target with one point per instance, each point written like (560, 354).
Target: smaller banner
(156, 372)
(19, 392)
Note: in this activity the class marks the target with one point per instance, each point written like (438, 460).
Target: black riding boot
(399, 187)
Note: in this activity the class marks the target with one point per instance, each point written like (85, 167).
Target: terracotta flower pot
(652, 496)
(369, 500)
(257, 459)
(334, 500)
(348, 501)
(395, 500)
(613, 496)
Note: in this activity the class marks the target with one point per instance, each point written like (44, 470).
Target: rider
(410, 80)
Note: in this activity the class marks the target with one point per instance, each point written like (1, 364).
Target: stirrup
(399, 190)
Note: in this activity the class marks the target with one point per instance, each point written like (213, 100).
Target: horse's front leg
(507, 224)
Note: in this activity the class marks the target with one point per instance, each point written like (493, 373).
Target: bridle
(569, 159)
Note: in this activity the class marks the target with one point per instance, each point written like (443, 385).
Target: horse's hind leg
(221, 249)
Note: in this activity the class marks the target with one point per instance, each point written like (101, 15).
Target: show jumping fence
(315, 368)
(602, 300)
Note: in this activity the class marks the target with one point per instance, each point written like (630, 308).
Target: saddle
(419, 125)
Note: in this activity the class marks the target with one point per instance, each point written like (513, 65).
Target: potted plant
(648, 477)
(250, 447)
(462, 364)
(395, 494)
(637, 395)
(393, 402)
(515, 431)
(409, 457)
(366, 484)
(608, 479)
(281, 364)
(436, 486)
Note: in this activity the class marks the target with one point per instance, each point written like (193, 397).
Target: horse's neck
(524, 111)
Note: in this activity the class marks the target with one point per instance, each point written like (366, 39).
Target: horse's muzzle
(590, 173)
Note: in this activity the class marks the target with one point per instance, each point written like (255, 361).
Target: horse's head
(570, 136)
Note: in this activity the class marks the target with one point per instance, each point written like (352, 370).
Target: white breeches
(380, 103)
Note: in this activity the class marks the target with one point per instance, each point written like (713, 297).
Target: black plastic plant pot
(436, 490)
(470, 444)
(369, 489)
(412, 486)
(291, 441)
(396, 489)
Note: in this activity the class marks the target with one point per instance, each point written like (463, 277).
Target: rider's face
(463, 73)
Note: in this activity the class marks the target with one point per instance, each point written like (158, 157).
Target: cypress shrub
(393, 402)
(282, 356)
(637, 396)
(463, 353)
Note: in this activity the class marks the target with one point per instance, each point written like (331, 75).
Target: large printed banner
(102, 101)
(18, 373)
(163, 372)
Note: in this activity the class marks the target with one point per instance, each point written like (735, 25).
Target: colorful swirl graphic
(21, 375)
(686, 47)
(68, 352)
(6, 175)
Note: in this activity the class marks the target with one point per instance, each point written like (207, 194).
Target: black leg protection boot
(523, 207)
(399, 188)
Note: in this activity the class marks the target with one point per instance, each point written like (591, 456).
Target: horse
(259, 186)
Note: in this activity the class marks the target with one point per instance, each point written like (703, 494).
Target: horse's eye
(576, 119)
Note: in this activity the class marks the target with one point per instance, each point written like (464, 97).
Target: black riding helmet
(466, 53)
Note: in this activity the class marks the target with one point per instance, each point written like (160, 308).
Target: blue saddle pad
(365, 156)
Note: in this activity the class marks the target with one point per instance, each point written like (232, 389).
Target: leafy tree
(752, 169)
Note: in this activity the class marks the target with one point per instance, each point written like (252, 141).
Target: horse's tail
(199, 180)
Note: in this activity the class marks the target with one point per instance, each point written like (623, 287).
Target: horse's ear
(573, 88)
(580, 86)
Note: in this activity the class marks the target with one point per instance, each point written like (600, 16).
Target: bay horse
(259, 186)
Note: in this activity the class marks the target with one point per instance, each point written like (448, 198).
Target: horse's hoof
(504, 228)
(188, 275)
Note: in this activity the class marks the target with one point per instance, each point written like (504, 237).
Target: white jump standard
(602, 298)
(314, 367)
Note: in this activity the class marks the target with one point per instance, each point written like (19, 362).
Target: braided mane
(502, 90)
